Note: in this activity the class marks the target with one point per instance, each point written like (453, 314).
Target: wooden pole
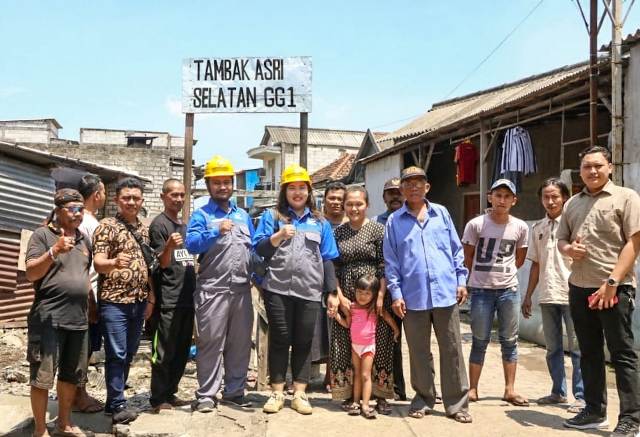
(484, 177)
(304, 130)
(617, 122)
(188, 158)
(593, 73)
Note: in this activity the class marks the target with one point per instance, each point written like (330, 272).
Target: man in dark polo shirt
(600, 231)
(174, 286)
(125, 297)
(58, 261)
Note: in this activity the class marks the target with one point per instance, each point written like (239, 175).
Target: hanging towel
(466, 159)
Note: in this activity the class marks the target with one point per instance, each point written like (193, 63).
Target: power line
(476, 68)
(495, 49)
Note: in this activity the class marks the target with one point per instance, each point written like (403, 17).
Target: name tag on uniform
(183, 256)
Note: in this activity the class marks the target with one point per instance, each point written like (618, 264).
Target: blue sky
(117, 64)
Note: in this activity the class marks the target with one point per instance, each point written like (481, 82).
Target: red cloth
(466, 159)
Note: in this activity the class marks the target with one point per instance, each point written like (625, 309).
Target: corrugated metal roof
(40, 157)
(315, 137)
(449, 112)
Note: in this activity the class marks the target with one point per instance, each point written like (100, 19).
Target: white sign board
(246, 85)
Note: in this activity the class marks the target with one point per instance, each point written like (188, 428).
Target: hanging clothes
(466, 159)
(517, 152)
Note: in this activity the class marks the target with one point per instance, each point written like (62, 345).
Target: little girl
(362, 322)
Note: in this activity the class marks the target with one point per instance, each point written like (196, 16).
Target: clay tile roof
(335, 170)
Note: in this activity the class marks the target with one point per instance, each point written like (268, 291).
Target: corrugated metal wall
(26, 197)
(26, 194)
(16, 293)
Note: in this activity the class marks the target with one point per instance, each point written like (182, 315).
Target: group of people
(340, 276)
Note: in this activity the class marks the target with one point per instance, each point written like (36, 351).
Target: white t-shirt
(88, 227)
(553, 282)
(494, 261)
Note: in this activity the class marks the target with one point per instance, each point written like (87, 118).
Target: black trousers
(170, 347)
(613, 325)
(291, 325)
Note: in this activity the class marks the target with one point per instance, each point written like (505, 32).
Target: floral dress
(360, 254)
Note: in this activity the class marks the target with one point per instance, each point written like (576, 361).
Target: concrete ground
(491, 416)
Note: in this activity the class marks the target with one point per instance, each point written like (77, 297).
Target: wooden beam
(187, 169)
(562, 141)
(429, 155)
(484, 177)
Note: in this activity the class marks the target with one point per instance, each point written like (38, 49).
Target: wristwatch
(612, 282)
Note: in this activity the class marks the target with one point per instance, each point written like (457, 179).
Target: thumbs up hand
(578, 250)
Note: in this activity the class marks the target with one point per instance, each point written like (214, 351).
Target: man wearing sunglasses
(58, 260)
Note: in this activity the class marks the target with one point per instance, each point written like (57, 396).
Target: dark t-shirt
(176, 283)
(61, 294)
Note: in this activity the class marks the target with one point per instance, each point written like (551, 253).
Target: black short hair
(595, 149)
(555, 182)
(334, 185)
(89, 184)
(372, 284)
(129, 183)
(358, 189)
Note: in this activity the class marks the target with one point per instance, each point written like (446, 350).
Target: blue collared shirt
(204, 226)
(424, 264)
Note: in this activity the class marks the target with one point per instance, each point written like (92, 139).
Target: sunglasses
(74, 209)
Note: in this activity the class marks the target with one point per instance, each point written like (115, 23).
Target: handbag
(149, 255)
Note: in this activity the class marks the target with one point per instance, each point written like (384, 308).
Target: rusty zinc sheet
(16, 293)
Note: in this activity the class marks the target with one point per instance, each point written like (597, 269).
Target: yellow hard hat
(218, 166)
(294, 173)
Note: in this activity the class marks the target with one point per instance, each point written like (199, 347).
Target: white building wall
(631, 151)
(102, 136)
(28, 131)
(376, 173)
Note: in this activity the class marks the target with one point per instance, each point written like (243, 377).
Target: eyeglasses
(74, 209)
(414, 184)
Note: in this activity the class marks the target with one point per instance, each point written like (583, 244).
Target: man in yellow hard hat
(220, 233)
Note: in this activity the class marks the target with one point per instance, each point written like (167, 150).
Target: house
(280, 146)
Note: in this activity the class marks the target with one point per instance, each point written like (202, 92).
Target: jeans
(614, 325)
(552, 315)
(291, 325)
(121, 326)
(485, 303)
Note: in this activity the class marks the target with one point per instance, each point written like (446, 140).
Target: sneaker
(586, 420)
(300, 403)
(203, 406)
(274, 403)
(625, 428)
(123, 416)
(236, 401)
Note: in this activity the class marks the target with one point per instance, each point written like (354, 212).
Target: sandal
(92, 406)
(383, 407)
(369, 413)
(353, 409)
(419, 414)
(346, 404)
(462, 417)
(517, 401)
(75, 432)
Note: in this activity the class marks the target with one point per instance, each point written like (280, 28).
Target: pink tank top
(363, 326)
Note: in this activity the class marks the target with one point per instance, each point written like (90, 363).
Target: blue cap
(504, 183)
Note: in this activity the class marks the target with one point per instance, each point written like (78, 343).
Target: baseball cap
(411, 172)
(392, 184)
(504, 183)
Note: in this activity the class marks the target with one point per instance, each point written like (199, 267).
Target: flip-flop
(93, 406)
(462, 417)
(517, 401)
(57, 432)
